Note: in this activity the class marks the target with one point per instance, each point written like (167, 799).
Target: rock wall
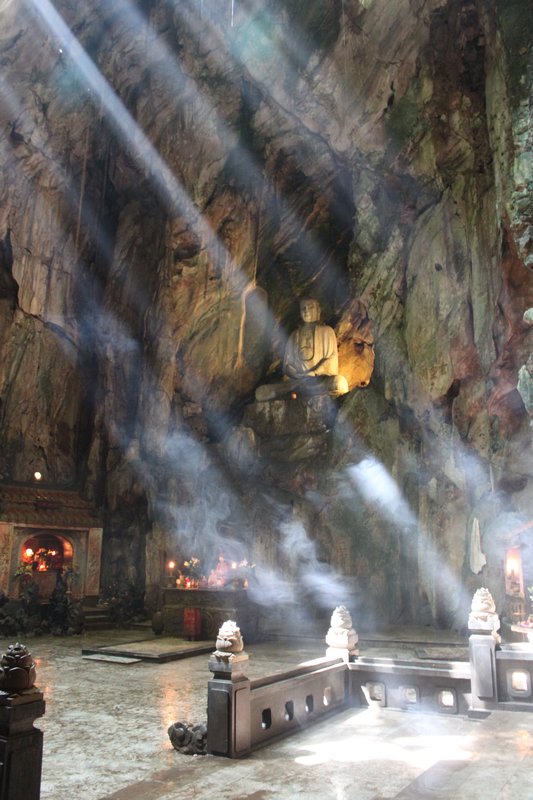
(175, 176)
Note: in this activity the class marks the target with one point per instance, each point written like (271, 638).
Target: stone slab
(445, 653)
(157, 650)
(112, 659)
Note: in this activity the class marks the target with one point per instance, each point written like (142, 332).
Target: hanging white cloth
(477, 557)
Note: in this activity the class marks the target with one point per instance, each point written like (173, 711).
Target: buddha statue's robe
(311, 350)
(310, 365)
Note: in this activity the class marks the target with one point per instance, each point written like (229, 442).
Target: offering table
(215, 607)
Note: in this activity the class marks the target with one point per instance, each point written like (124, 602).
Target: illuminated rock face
(148, 277)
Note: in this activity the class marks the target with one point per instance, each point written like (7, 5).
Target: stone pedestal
(291, 416)
(482, 646)
(228, 706)
(21, 745)
(290, 430)
(483, 622)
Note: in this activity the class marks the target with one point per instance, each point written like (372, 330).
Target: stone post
(21, 745)
(228, 696)
(483, 622)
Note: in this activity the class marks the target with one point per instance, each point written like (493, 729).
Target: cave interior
(176, 178)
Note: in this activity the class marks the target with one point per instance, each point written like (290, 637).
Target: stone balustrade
(244, 714)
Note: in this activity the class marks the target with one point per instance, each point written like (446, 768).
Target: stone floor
(105, 735)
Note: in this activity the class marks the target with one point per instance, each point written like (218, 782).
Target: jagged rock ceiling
(175, 176)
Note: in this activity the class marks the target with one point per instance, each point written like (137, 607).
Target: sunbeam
(154, 369)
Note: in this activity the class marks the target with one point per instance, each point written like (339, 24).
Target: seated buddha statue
(310, 363)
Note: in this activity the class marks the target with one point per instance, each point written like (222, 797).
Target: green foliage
(124, 601)
(26, 615)
(22, 570)
(20, 616)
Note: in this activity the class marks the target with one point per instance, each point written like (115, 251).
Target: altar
(215, 607)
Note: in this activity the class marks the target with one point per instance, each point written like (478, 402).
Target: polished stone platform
(105, 734)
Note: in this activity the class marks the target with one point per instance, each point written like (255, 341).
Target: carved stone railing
(294, 699)
(432, 687)
(244, 714)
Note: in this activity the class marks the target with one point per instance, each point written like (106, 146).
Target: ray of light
(176, 199)
(377, 488)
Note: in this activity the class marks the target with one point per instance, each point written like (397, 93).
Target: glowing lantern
(512, 565)
(514, 582)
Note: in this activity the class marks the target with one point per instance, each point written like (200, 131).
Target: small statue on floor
(191, 740)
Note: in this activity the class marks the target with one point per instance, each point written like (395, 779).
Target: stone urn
(17, 670)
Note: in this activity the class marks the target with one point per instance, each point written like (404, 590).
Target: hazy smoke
(379, 489)
(318, 580)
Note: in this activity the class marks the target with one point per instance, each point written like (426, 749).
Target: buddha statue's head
(309, 309)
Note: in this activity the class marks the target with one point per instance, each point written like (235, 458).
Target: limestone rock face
(174, 178)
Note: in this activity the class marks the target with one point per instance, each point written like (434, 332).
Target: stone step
(96, 619)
